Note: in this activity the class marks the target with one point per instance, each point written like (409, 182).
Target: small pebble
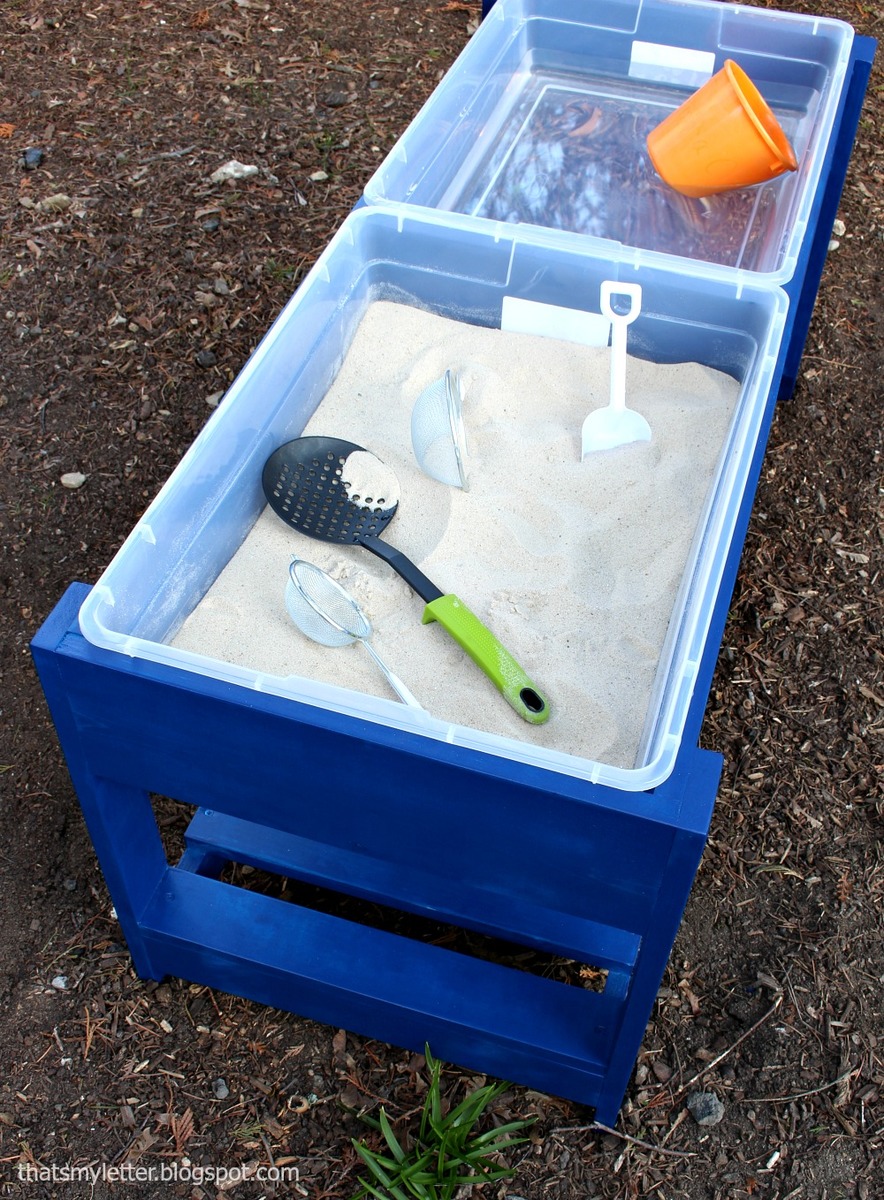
(73, 479)
(31, 158)
(59, 202)
(233, 170)
(220, 1089)
(60, 982)
(206, 358)
(705, 1108)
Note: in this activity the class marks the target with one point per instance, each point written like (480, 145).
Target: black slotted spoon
(336, 491)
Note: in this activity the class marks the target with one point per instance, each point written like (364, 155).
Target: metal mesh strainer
(326, 613)
(437, 431)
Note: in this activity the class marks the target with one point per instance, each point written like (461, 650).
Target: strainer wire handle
(490, 656)
(392, 678)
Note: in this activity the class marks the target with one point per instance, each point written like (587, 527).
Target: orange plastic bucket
(723, 137)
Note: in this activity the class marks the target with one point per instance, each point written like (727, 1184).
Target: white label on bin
(671, 64)
(551, 320)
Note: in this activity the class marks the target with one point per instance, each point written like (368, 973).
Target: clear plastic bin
(211, 501)
(543, 118)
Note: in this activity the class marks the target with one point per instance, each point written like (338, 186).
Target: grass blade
(371, 1160)
(390, 1137)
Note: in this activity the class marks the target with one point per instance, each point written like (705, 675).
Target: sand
(574, 565)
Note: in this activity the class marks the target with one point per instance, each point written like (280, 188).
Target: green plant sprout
(448, 1153)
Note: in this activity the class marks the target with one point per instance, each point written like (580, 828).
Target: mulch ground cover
(132, 290)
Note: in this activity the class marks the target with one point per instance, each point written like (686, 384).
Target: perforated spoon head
(330, 489)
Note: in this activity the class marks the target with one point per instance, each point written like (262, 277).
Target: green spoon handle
(490, 656)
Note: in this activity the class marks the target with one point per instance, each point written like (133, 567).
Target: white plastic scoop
(616, 425)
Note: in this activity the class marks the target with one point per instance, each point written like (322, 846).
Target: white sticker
(671, 64)
(551, 320)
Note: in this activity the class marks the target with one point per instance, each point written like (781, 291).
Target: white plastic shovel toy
(616, 424)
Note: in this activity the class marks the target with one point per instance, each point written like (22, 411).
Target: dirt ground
(132, 291)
